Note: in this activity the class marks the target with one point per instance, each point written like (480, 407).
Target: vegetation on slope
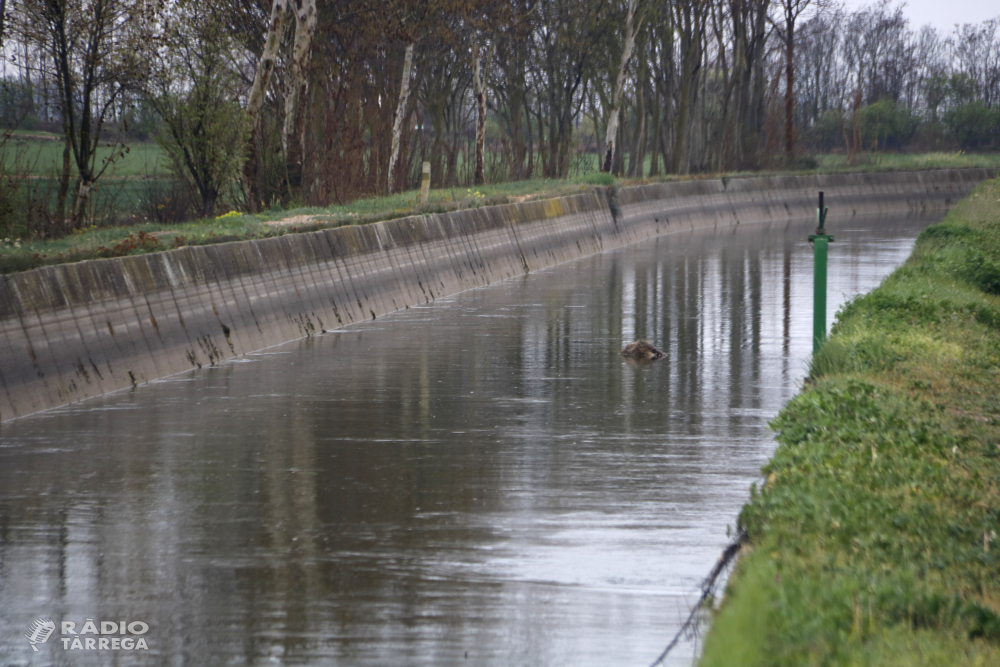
(151, 232)
(143, 237)
(874, 538)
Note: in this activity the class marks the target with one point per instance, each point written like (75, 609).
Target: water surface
(480, 481)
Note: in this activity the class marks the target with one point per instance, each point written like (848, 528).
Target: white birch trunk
(293, 137)
(267, 59)
(255, 102)
(397, 126)
(616, 97)
(480, 91)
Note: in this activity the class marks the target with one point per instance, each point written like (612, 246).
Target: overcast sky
(942, 14)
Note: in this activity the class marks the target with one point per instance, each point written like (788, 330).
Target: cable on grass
(708, 587)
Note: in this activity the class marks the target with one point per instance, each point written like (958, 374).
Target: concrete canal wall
(79, 330)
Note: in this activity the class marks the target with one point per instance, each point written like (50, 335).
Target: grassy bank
(95, 242)
(907, 161)
(140, 199)
(874, 540)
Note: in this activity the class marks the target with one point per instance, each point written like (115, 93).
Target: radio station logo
(39, 632)
(92, 635)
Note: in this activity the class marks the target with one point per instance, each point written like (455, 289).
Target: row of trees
(319, 102)
(859, 70)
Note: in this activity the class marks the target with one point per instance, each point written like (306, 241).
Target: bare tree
(690, 24)
(98, 50)
(790, 12)
(564, 54)
(192, 90)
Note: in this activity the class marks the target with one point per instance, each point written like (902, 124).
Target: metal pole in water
(820, 241)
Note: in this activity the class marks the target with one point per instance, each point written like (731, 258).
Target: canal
(479, 481)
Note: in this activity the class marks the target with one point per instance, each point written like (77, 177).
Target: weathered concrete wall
(80, 330)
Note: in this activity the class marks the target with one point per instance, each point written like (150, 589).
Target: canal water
(479, 481)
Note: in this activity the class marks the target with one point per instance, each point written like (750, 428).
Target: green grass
(876, 537)
(865, 162)
(43, 157)
(26, 154)
(909, 162)
(144, 237)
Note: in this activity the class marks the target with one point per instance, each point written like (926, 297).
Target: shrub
(974, 125)
(893, 124)
(827, 132)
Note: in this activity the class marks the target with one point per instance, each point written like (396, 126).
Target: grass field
(40, 154)
(27, 153)
(874, 540)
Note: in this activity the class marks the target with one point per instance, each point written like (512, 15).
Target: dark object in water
(642, 350)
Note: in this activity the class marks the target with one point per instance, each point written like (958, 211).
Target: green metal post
(820, 241)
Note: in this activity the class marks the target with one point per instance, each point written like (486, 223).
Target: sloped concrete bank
(79, 330)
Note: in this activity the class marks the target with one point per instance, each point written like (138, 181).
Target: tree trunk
(518, 148)
(550, 157)
(401, 108)
(529, 170)
(638, 157)
(406, 141)
(480, 90)
(63, 193)
(654, 153)
(3, 15)
(790, 90)
(515, 103)
(680, 126)
(255, 102)
(565, 142)
(595, 117)
(690, 22)
(84, 184)
(436, 112)
(618, 163)
(616, 99)
(758, 101)
(293, 137)
(665, 83)
(208, 199)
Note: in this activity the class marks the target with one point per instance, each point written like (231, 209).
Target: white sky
(942, 14)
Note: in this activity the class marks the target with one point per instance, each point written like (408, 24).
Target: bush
(827, 132)
(974, 125)
(204, 130)
(893, 124)
(166, 202)
(15, 103)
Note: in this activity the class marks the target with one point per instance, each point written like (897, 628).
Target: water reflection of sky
(479, 481)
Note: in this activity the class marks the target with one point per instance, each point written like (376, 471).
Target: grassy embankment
(144, 237)
(874, 540)
(142, 168)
